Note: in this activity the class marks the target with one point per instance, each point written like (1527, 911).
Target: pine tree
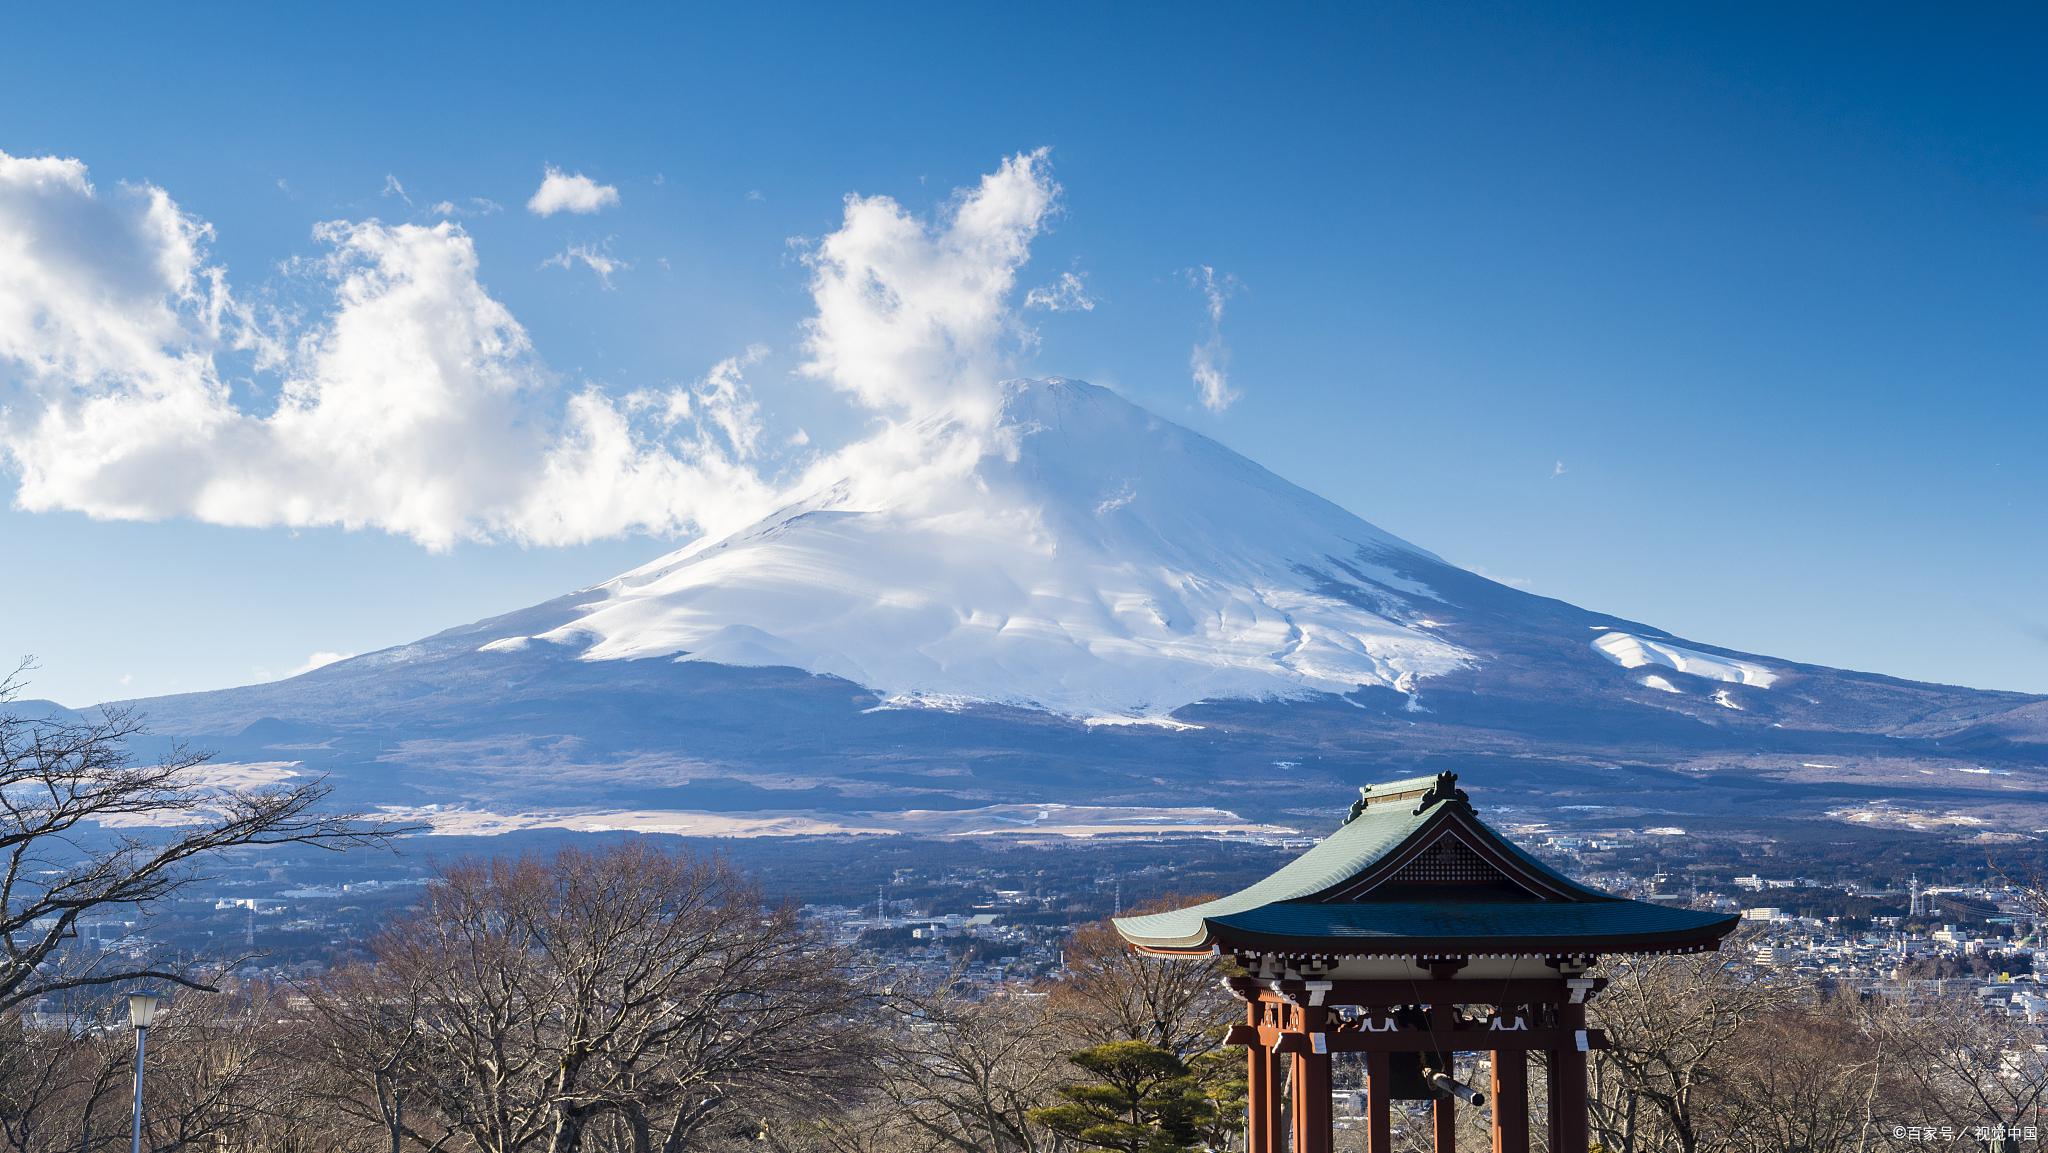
(1141, 1099)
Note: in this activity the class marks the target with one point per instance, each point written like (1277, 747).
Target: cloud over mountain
(135, 384)
(912, 317)
(1209, 361)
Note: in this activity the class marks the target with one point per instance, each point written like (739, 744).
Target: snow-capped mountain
(1086, 558)
(1050, 581)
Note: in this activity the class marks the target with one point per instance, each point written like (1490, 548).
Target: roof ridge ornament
(1357, 806)
(1425, 791)
(1445, 789)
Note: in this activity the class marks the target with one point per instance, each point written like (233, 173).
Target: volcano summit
(1084, 557)
(1082, 603)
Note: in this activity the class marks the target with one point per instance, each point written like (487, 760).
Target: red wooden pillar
(1510, 1101)
(1258, 1099)
(1275, 1135)
(1313, 1132)
(1443, 1115)
(1264, 1130)
(1379, 1130)
(1568, 1129)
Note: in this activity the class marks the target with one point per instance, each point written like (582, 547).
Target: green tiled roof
(1294, 908)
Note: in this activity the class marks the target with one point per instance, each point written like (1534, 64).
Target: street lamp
(141, 1013)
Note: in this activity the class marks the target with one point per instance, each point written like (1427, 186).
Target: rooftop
(1414, 872)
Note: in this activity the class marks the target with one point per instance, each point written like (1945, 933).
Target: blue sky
(1731, 321)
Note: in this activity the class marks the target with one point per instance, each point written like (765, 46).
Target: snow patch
(1153, 722)
(1634, 652)
(991, 821)
(1653, 681)
(1885, 815)
(210, 780)
(1124, 496)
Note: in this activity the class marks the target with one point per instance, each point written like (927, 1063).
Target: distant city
(996, 913)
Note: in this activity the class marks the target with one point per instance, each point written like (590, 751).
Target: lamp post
(141, 1013)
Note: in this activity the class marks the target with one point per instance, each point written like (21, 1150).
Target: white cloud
(415, 405)
(1210, 359)
(1067, 294)
(1497, 578)
(597, 258)
(135, 385)
(912, 317)
(1558, 470)
(720, 401)
(478, 206)
(565, 192)
(393, 188)
(318, 660)
(724, 400)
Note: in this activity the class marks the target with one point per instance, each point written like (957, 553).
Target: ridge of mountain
(1092, 605)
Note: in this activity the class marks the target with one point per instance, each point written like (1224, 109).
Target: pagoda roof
(1414, 872)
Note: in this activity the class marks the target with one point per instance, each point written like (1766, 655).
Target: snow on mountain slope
(1634, 652)
(1085, 557)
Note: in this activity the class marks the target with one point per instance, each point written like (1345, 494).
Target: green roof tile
(1297, 907)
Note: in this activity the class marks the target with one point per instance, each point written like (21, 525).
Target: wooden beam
(1386, 994)
(1443, 1115)
(1429, 1041)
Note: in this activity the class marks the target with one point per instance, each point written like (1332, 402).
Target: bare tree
(1960, 1064)
(363, 1027)
(58, 1086)
(1798, 1079)
(72, 806)
(1113, 994)
(964, 1074)
(875, 1126)
(1672, 1021)
(225, 1074)
(648, 992)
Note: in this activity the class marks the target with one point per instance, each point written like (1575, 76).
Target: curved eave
(1621, 944)
(1609, 927)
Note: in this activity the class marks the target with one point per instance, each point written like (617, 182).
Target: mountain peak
(1085, 557)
